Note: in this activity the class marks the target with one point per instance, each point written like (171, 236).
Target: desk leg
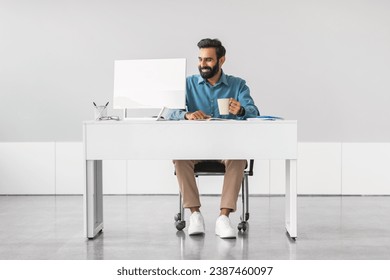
(291, 198)
(93, 198)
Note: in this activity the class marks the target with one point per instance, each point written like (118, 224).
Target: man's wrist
(241, 112)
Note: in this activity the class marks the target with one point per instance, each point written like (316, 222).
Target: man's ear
(221, 61)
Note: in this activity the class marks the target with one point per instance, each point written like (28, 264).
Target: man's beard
(213, 71)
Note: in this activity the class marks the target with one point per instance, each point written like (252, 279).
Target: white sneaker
(196, 224)
(223, 228)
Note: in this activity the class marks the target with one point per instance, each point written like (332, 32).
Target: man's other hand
(198, 115)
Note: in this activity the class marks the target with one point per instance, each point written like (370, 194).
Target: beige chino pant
(234, 172)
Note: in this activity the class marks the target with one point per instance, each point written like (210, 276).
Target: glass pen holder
(100, 112)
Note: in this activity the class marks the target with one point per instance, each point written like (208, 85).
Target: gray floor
(141, 227)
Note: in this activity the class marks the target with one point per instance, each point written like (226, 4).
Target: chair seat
(211, 166)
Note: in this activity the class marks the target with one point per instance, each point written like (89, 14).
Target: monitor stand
(152, 118)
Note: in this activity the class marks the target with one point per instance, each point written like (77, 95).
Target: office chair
(216, 168)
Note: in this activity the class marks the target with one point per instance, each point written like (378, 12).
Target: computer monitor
(150, 83)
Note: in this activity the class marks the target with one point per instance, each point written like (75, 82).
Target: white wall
(323, 169)
(324, 63)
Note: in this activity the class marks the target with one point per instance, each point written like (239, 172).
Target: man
(202, 93)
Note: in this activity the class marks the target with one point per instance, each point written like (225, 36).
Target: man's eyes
(206, 59)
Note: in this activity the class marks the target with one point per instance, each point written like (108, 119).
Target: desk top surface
(190, 139)
(186, 122)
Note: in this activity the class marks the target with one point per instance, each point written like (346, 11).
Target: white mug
(223, 106)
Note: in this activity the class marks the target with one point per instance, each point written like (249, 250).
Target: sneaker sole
(196, 233)
(227, 237)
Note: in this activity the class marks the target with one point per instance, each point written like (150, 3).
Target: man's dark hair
(213, 43)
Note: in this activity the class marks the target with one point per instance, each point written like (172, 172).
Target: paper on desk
(265, 118)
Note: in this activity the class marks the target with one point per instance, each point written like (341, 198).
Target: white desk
(122, 140)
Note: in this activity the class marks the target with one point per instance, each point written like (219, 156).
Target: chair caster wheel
(177, 217)
(242, 226)
(180, 225)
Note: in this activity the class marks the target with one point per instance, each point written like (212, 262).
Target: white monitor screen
(150, 83)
